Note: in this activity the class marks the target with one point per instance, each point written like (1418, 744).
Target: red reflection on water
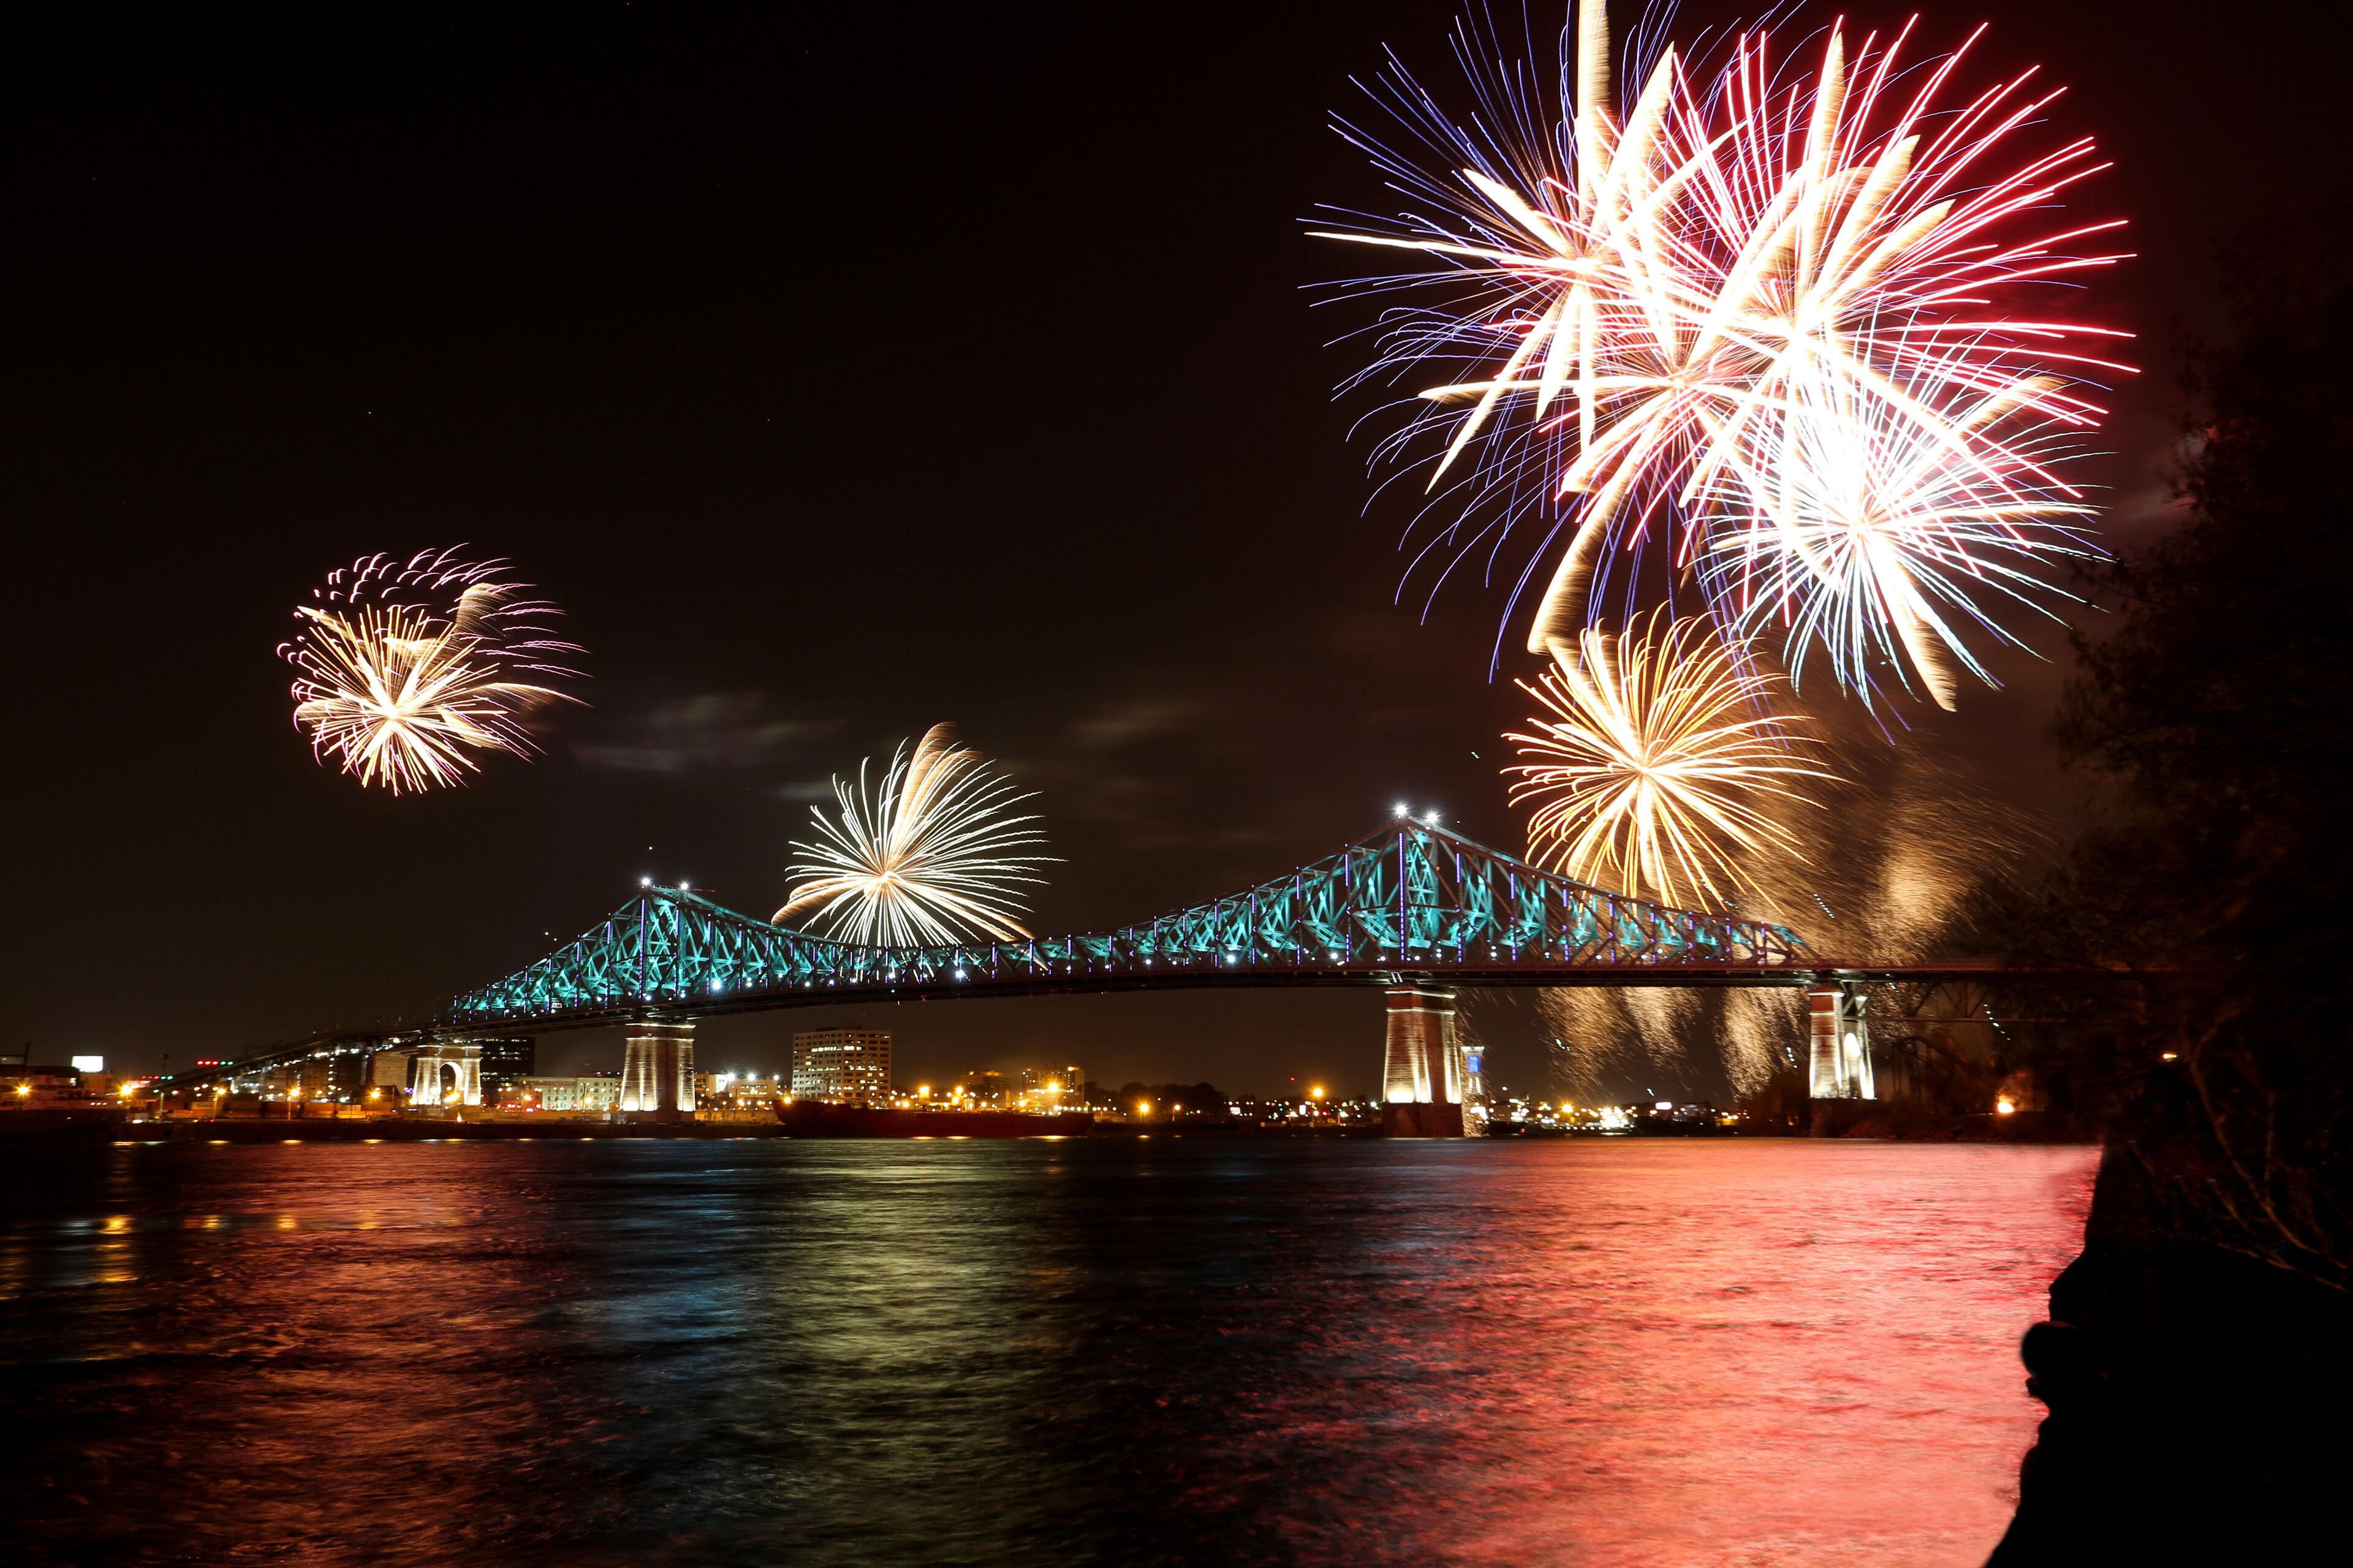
(1634, 1353)
(1674, 1353)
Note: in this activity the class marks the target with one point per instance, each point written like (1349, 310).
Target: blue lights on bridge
(1411, 897)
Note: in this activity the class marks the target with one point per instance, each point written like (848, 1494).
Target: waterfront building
(847, 1066)
(737, 1091)
(984, 1090)
(1050, 1088)
(28, 1085)
(310, 1078)
(507, 1062)
(589, 1094)
(1476, 1112)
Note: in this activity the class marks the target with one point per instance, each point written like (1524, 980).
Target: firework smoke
(1897, 894)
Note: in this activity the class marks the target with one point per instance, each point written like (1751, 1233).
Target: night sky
(838, 370)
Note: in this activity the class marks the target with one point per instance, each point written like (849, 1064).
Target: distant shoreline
(105, 1125)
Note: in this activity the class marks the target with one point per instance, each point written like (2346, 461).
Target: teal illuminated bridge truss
(1412, 899)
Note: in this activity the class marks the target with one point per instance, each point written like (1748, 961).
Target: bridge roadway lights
(657, 1071)
(1422, 1071)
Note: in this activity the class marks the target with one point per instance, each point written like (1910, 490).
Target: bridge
(1412, 908)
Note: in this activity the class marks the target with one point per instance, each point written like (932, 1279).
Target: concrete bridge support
(1840, 1068)
(1422, 1072)
(657, 1069)
(446, 1073)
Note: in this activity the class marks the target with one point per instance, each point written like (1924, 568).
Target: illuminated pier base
(1840, 1067)
(658, 1069)
(1422, 1072)
(448, 1073)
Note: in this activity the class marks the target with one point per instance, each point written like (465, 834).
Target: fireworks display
(405, 671)
(929, 858)
(1719, 319)
(1878, 539)
(1656, 768)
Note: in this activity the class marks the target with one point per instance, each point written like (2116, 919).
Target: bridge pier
(1422, 1069)
(658, 1069)
(1840, 1068)
(460, 1084)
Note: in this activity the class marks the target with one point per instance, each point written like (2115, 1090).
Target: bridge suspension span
(1409, 899)
(1412, 908)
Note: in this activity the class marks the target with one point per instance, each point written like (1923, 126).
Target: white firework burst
(929, 858)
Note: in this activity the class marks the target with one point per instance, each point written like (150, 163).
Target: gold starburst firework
(404, 682)
(1660, 767)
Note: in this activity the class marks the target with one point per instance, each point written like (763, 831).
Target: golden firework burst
(405, 671)
(1659, 767)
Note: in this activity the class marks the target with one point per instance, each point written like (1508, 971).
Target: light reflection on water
(1186, 1351)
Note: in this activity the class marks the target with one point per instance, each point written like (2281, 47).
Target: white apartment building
(850, 1066)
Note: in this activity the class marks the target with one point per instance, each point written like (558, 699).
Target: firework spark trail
(923, 860)
(1650, 306)
(405, 671)
(1659, 770)
(1874, 538)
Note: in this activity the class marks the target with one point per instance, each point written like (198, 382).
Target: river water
(1039, 1352)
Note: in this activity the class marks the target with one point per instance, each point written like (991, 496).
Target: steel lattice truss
(1410, 899)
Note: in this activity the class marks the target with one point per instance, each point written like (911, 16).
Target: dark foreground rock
(2228, 1419)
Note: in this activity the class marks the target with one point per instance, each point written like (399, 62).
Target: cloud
(1144, 719)
(713, 730)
